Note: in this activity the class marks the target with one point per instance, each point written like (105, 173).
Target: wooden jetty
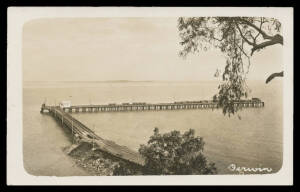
(83, 133)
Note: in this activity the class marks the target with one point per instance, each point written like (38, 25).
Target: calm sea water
(255, 140)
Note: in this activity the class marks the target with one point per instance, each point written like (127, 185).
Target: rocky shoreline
(100, 163)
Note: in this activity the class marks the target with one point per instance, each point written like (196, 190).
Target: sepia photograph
(153, 95)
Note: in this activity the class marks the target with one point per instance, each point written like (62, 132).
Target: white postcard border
(17, 16)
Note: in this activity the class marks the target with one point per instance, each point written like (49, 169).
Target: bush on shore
(174, 153)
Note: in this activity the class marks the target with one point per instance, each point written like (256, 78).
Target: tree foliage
(175, 154)
(238, 38)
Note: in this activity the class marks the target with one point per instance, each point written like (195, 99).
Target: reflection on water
(253, 141)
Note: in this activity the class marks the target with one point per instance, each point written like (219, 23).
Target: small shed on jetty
(65, 104)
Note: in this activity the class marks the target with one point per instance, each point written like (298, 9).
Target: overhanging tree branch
(264, 34)
(272, 76)
(277, 39)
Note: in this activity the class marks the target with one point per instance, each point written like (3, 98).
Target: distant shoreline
(142, 81)
(118, 81)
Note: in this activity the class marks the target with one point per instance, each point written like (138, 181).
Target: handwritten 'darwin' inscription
(234, 167)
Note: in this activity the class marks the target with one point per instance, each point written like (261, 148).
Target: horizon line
(131, 80)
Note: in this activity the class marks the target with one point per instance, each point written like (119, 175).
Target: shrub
(175, 154)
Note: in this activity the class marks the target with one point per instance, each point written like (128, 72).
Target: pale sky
(139, 49)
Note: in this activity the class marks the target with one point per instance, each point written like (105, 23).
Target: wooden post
(93, 148)
(72, 133)
(93, 142)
